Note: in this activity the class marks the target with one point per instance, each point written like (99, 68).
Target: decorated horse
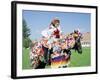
(58, 53)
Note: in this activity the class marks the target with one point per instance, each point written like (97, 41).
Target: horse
(59, 56)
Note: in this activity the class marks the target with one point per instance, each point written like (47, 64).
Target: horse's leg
(80, 50)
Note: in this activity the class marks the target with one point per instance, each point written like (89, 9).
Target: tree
(26, 34)
(26, 42)
(26, 30)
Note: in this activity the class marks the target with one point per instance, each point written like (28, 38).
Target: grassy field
(77, 60)
(25, 59)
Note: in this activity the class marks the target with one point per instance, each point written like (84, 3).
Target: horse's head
(77, 42)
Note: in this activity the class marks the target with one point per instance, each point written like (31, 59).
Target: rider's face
(56, 24)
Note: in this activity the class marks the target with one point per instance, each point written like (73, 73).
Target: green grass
(77, 60)
(25, 59)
